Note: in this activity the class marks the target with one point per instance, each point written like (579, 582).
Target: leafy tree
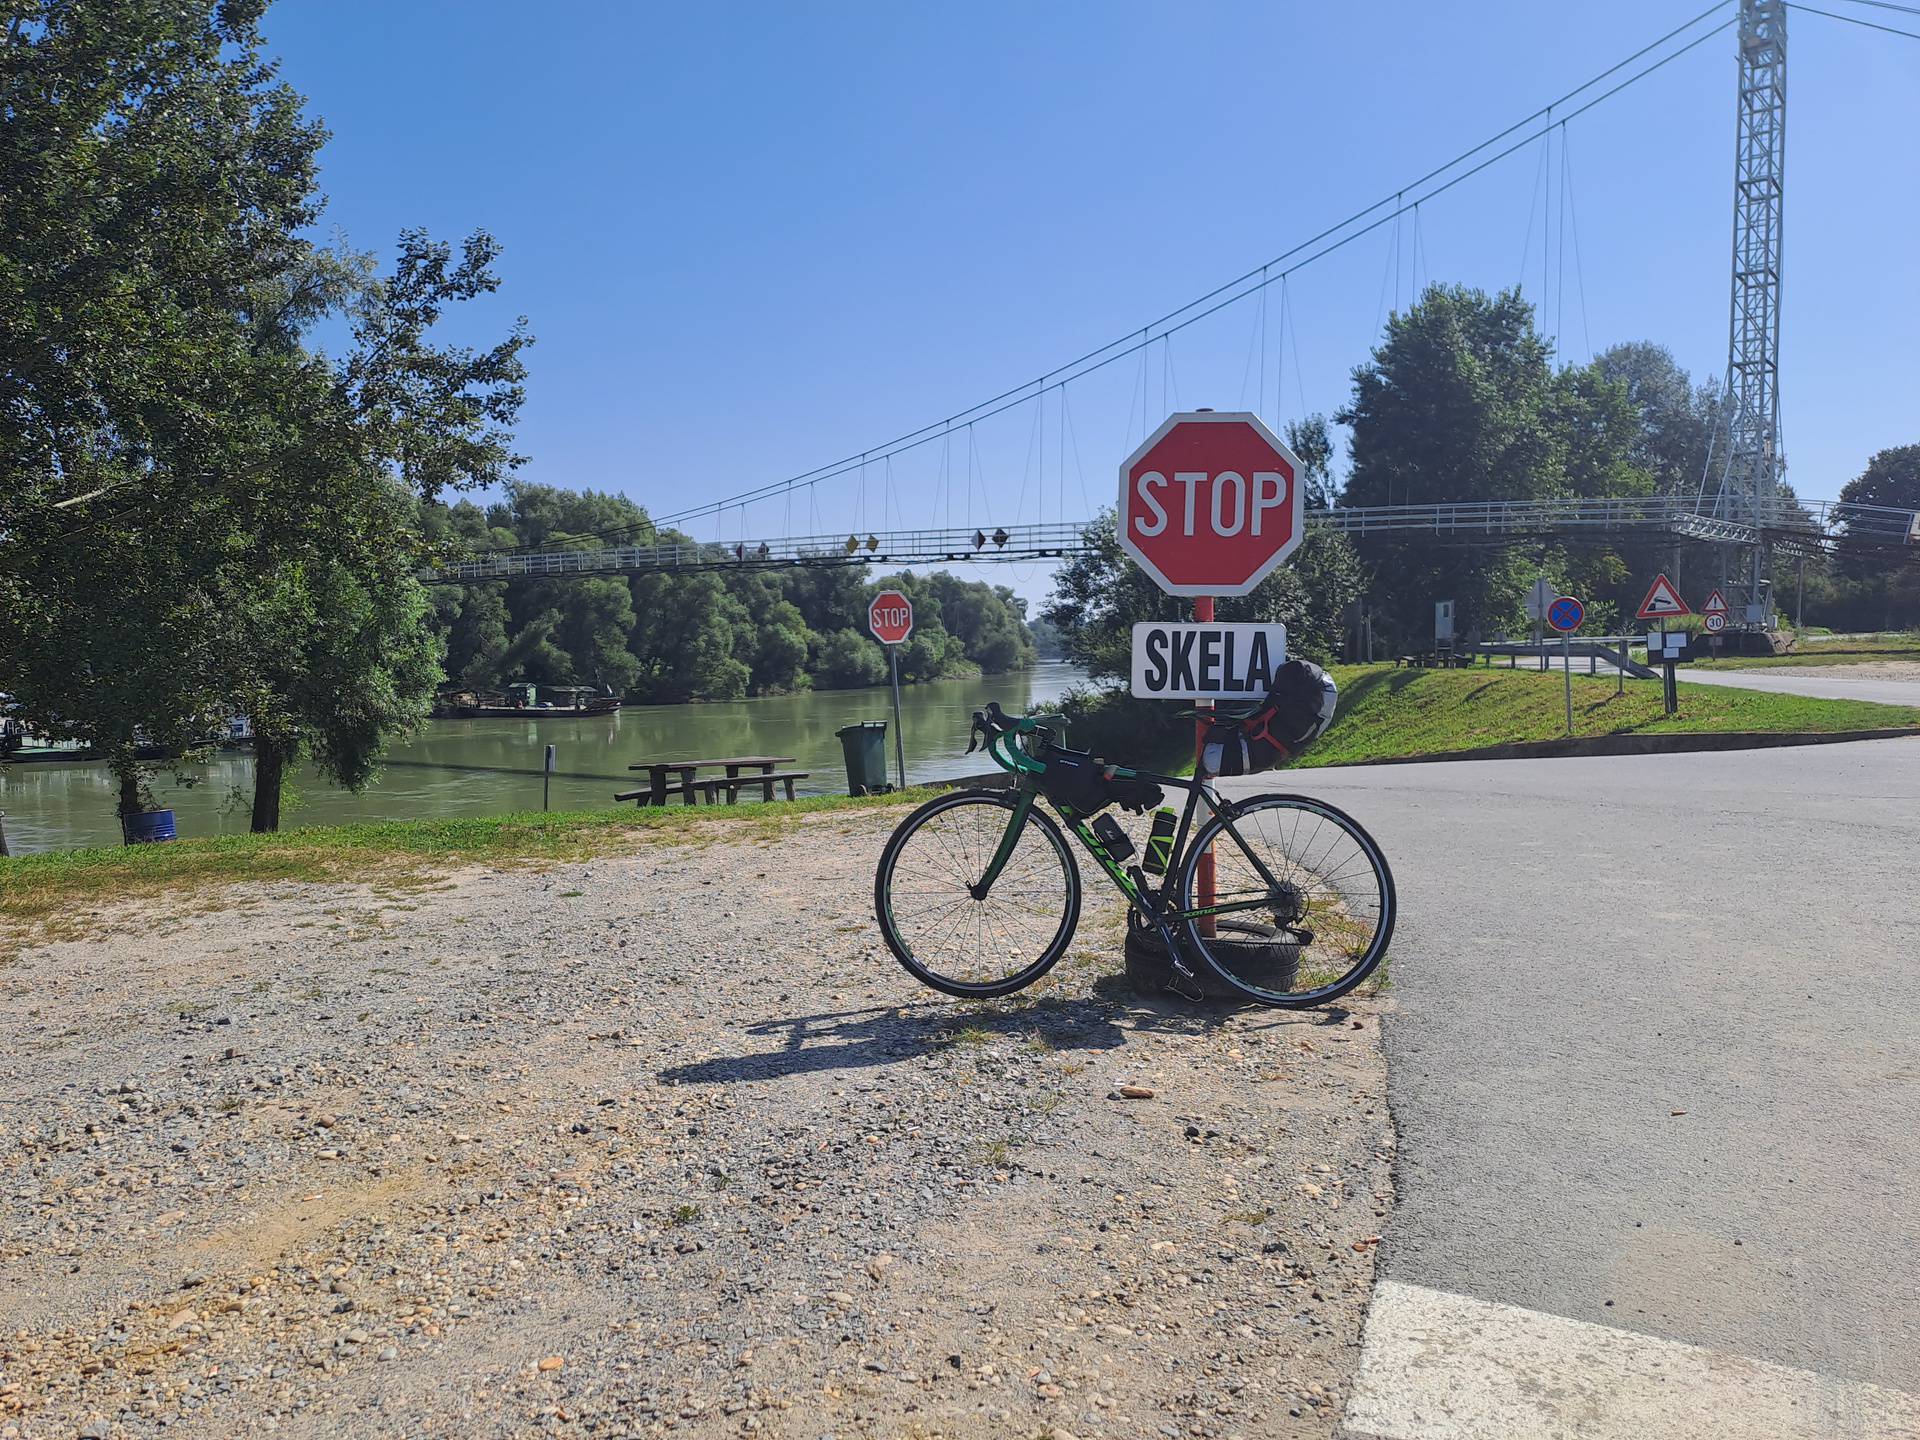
(188, 489)
(1312, 441)
(157, 178)
(1891, 479)
(1678, 420)
(1877, 584)
(847, 660)
(1459, 402)
(986, 621)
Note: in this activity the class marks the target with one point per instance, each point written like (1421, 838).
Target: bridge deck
(1787, 525)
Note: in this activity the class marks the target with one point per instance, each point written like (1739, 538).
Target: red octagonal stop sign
(1210, 503)
(890, 617)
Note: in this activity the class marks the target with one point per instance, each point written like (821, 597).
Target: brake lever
(973, 739)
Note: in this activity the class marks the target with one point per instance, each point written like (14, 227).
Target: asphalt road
(1654, 1059)
(1789, 680)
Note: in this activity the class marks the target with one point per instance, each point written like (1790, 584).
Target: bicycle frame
(1158, 905)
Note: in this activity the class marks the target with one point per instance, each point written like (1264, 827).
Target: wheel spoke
(1327, 916)
(956, 940)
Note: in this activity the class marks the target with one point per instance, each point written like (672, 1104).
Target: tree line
(692, 634)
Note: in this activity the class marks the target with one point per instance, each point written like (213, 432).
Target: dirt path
(663, 1143)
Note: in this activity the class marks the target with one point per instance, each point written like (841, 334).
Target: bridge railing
(1782, 520)
(900, 547)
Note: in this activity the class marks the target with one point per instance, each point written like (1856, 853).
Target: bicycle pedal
(1190, 990)
(1182, 981)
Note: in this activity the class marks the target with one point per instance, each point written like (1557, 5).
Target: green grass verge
(1389, 714)
(1861, 651)
(39, 889)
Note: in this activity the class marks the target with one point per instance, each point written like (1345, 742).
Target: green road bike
(978, 893)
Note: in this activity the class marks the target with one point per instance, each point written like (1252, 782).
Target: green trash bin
(865, 747)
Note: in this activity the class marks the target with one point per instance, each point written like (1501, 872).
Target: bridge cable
(1579, 268)
(1560, 253)
(1533, 206)
(1852, 20)
(1079, 465)
(1889, 5)
(1099, 358)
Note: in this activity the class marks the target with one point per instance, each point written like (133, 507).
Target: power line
(1099, 357)
(1856, 20)
(1889, 5)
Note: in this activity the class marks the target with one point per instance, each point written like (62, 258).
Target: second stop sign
(890, 617)
(1210, 503)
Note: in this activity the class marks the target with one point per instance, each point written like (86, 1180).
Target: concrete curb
(1644, 745)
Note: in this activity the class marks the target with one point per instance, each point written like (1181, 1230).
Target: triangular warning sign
(1662, 601)
(1716, 604)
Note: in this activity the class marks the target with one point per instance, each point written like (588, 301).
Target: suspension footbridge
(1789, 526)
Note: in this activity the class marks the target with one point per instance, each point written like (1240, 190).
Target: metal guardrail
(1790, 524)
(1594, 648)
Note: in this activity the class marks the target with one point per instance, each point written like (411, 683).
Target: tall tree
(1460, 402)
(158, 177)
(198, 512)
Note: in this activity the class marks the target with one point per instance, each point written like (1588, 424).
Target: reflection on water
(484, 767)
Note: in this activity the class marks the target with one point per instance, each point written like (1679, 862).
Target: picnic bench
(682, 777)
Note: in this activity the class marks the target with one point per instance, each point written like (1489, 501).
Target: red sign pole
(1203, 614)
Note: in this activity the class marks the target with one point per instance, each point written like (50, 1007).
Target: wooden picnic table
(659, 787)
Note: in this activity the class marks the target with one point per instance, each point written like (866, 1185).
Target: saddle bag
(1298, 708)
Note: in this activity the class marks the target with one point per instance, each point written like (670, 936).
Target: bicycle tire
(1388, 900)
(903, 949)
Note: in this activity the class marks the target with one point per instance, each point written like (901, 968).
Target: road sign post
(546, 778)
(1203, 870)
(1210, 503)
(1542, 595)
(1667, 648)
(1565, 615)
(890, 618)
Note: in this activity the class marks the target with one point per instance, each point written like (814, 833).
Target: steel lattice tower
(1750, 482)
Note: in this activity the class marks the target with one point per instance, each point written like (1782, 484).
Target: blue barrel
(150, 827)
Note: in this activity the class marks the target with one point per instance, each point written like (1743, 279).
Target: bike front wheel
(970, 945)
(1303, 902)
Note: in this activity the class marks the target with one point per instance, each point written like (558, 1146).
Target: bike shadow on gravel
(887, 1034)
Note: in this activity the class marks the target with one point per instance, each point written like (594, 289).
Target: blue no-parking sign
(1565, 614)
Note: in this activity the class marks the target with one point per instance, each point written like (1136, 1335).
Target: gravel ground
(665, 1143)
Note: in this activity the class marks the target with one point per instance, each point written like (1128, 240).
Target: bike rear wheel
(1308, 901)
(955, 941)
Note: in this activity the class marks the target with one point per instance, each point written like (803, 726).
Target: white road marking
(1435, 1366)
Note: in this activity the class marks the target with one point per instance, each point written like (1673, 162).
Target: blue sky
(754, 238)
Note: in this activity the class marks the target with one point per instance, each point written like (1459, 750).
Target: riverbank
(656, 1138)
(455, 769)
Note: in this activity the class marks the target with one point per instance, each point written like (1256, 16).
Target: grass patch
(1386, 713)
(52, 892)
(1857, 650)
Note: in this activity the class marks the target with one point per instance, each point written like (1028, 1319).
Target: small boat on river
(527, 702)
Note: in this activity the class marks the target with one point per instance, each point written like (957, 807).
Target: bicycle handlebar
(993, 725)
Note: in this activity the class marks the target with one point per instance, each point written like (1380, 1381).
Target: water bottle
(1160, 841)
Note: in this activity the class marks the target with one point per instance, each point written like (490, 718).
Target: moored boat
(527, 701)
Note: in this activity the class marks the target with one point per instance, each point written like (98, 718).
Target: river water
(487, 767)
